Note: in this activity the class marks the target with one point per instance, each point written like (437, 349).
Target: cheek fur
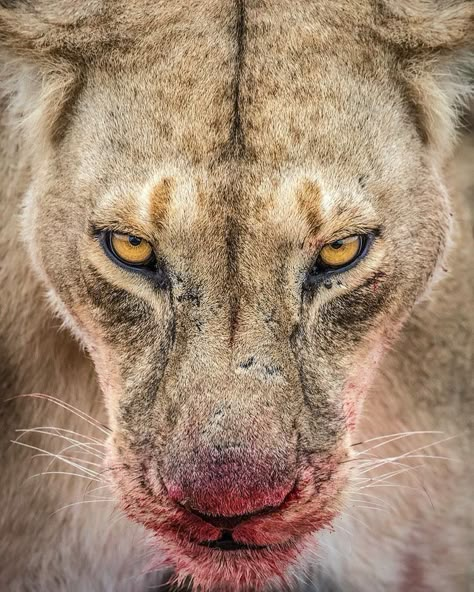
(359, 382)
(109, 378)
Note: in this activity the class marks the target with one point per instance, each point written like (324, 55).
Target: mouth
(250, 555)
(226, 543)
(226, 564)
(233, 552)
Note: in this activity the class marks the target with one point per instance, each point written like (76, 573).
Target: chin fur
(210, 569)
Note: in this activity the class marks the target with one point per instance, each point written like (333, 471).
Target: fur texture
(241, 393)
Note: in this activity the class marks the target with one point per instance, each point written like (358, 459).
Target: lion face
(236, 220)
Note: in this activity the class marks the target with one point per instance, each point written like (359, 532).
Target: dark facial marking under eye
(124, 313)
(351, 314)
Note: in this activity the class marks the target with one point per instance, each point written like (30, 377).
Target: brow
(130, 213)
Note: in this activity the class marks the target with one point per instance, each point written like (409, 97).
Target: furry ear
(50, 27)
(434, 40)
(42, 45)
(427, 25)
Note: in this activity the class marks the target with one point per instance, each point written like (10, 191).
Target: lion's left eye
(341, 252)
(129, 249)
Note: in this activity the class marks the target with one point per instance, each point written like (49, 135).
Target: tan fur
(237, 138)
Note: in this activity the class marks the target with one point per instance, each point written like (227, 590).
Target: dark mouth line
(227, 543)
(227, 523)
(231, 546)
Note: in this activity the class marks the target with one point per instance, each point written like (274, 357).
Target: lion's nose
(227, 486)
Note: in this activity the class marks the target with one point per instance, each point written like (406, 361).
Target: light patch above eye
(130, 249)
(342, 252)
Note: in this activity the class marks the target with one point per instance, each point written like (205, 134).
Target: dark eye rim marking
(319, 271)
(153, 269)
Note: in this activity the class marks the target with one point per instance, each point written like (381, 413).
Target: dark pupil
(337, 244)
(134, 240)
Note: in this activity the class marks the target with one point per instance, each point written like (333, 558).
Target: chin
(244, 568)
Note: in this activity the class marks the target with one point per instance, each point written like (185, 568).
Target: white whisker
(81, 414)
(62, 473)
(375, 508)
(92, 441)
(394, 437)
(72, 458)
(80, 503)
(87, 471)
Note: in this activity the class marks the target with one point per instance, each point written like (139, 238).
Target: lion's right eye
(129, 249)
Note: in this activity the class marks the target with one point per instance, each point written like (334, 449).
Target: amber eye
(341, 253)
(129, 249)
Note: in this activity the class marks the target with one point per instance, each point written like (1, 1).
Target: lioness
(249, 214)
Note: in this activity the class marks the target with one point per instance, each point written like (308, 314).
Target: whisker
(370, 496)
(76, 443)
(406, 469)
(374, 508)
(89, 491)
(435, 457)
(81, 414)
(394, 437)
(79, 503)
(73, 458)
(390, 474)
(395, 459)
(354, 503)
(397, 485)
(62, 473)
(92, 441)
(73, 464)
(383, 462)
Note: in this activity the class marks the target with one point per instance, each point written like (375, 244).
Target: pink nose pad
(231, 489)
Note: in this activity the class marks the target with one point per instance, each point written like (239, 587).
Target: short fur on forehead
(50, 41)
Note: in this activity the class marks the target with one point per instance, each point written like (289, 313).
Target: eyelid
(349, 232)
(97, 229)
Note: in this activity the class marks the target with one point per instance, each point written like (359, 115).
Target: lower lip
(213, 568)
